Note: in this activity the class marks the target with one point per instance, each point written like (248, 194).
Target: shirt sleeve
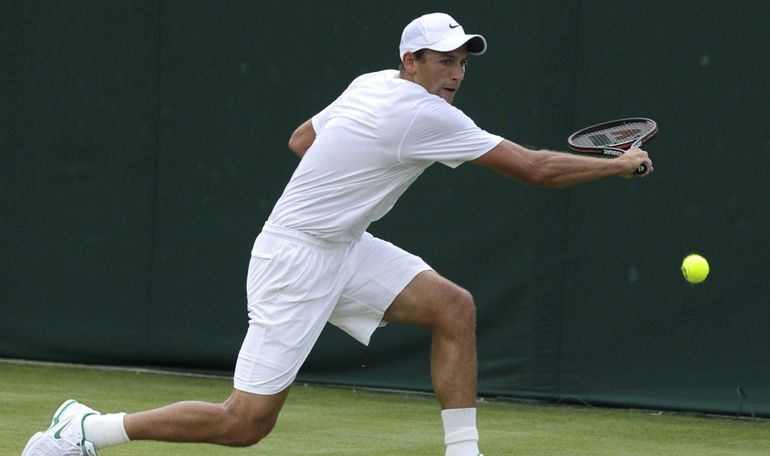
(440, 132)
(319, 119)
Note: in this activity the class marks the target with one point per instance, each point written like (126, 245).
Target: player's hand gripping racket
(614, 138)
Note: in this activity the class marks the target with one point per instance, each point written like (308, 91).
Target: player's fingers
(644, 163)
(645, 168)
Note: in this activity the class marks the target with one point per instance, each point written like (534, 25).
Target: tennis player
(314, 261)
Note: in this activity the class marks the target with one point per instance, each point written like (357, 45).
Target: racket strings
(613, 136)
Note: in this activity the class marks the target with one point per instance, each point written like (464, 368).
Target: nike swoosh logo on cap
(454, 26)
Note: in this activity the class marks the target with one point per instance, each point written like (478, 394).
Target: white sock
(460, 434)
(105, 430)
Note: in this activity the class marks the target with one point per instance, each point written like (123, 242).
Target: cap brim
(477, 45)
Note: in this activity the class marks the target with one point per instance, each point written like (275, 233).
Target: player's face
(441, 73)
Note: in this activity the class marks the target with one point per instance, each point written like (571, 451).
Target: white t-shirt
(371, 144)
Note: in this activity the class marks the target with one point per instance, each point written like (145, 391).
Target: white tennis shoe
(65, 436)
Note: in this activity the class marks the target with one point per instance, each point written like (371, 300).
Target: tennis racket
(614, 138)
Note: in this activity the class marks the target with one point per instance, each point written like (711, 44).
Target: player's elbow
(534, 174)
(531, 176)
(302, 138)
(297, 145)
(520, 163)
(540, 170)
(542, 179)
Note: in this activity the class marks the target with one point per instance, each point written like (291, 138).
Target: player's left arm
(302, 138)
(545, 168)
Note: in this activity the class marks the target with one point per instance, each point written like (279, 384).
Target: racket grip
(643, 167)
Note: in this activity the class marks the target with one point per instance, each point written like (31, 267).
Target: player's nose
(458, 73)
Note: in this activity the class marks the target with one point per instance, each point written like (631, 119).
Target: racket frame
(614, 149)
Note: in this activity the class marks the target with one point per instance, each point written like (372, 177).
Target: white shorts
(296, 283)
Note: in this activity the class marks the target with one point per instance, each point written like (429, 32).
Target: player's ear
(409, 61)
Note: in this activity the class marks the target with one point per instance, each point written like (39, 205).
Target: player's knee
(248, 430)
(467, 306)
(460, 309)
(251, 433)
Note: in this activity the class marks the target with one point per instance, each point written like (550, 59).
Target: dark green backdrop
(144, 143)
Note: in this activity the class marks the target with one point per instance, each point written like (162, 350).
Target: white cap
(439, 32)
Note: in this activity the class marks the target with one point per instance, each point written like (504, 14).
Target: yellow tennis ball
(695, 268)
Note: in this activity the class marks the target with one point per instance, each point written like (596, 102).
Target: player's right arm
(545, 168)
(302, 138)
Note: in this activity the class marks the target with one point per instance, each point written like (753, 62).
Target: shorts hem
(261, 391)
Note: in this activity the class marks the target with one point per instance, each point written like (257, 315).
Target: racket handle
(643, 167)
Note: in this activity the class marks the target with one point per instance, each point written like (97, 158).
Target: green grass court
(329, 421)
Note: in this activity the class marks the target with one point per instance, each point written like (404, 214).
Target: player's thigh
(376, 272)
(428, 300)
(292, 287)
